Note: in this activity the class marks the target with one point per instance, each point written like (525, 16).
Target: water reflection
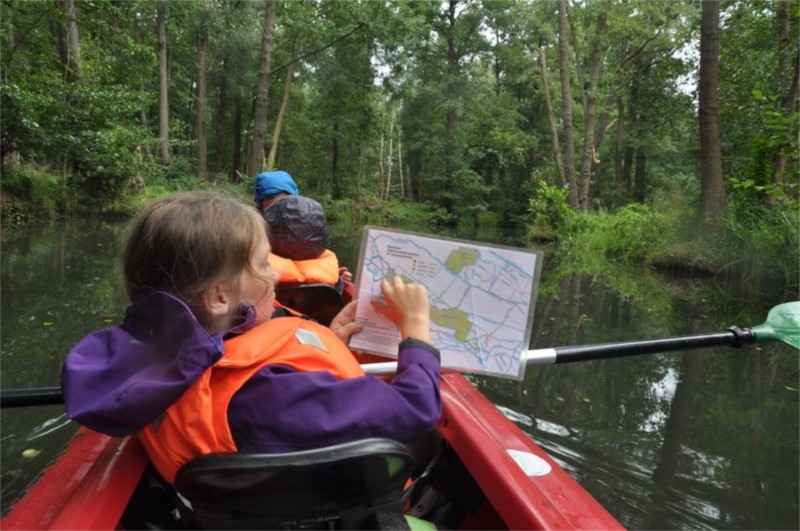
(681, 440)
(58, 283)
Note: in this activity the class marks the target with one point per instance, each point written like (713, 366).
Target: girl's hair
(185, 244)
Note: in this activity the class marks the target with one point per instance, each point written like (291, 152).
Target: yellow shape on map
(461, 258)
(452, 318)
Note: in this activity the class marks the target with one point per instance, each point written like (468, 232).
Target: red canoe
(93, 482)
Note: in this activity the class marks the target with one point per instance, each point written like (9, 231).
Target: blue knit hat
(271, 183)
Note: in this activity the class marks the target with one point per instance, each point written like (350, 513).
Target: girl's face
(257, 288)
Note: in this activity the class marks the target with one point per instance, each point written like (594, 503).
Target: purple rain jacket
(118, 380)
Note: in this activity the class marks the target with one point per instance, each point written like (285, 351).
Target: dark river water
(702, 440)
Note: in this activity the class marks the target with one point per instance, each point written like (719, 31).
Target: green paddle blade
(782, 324)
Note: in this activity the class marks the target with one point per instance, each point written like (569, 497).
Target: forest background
(662, 131)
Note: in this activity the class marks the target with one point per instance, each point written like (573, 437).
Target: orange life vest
(197, 423)
(323, 269)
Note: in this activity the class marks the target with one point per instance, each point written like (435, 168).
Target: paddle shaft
(34, 396)
(734, 337)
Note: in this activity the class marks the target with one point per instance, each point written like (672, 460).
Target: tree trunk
(71, 52)
(619, 149)
(713, 201)
(163, 84)
(391, 155)
(202, 73)
(335, 160)
(144, 120)
(784, 36)
(590, 108)
(400, 163)
(287, 90)
(639, 176)
(566, 106)
(576, 50)
(452, 73)
(551, 116)
(381, 171)
(633, 127)
(360, 167)
(221, 132)
(237, 136)
(256, 158)
(10, 42)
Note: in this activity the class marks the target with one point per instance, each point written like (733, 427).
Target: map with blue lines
(481, 298)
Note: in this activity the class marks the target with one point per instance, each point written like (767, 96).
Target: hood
(118, 380)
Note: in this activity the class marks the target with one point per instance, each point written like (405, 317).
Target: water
(707, 440)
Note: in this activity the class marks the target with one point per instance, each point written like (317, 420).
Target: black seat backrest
(336, 487)
(319, 301)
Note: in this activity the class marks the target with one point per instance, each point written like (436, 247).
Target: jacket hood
(118, 380)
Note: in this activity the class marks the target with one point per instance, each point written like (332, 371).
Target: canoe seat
(344, 486)
(320, 301)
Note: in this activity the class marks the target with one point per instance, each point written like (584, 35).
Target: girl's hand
(344, 325)
(345, 274)
(406, 306)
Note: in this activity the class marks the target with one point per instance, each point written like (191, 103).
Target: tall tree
(551, 117)
(590, 109)
(789, 101)
(69, 43)
(163, 84)
(256, 158)
(287, 90)
(713, 201)
(202, 77)
(452, 88)
(566, 104)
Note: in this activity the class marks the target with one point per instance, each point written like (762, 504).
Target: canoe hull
(487, 443)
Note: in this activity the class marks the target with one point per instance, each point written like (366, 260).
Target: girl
(206, 361)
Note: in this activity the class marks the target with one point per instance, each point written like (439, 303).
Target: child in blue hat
(272, 185)
(298, 235)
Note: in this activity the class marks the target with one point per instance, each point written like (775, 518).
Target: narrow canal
(700, 440)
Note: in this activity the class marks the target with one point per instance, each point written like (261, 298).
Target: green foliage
(549, 213)
(776, 138)
(755, 84)
(352, 214)
(632, 233)
(461, 100)
(28, 192)
(763, 242)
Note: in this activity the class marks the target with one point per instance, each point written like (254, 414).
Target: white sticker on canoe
(531, 464)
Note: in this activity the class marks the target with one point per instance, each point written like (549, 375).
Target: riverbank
(754, 243)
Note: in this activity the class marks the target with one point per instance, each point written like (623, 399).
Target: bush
(763, 241)
(549, 213)
(634, 232)
(29, 192)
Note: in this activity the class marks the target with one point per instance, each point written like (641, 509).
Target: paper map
(481, 298)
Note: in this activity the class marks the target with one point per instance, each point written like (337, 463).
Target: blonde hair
(185, 244)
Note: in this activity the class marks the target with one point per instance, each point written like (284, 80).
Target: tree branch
(313, 52)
